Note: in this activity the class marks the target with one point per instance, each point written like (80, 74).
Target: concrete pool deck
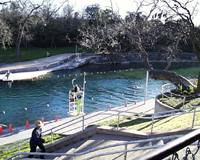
(72, 125)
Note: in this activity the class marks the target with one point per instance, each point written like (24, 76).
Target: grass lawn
(26, 54)
(162, 124)
(26, 147)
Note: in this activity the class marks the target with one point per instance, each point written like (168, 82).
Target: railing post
(147, 80)
(51, 136)
(125, 152)
(183, 100)
(193, 118)
(19, 149)
(83, 124)
(152, 123)
(118, 121)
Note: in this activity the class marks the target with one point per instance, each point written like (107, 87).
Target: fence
(152, 117)
(166, 92)
(119, 114)
(125, 144)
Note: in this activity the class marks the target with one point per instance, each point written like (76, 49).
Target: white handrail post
(83, 123)
(84, 74)
(125, 152)
(184, 100)
(193, 118)
(118, 121)
(152, 123)
(51, 136)
(19, 149)
(147, 79)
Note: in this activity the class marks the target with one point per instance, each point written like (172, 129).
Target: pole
(51, 136)
(193, 118)
(83, 91)
(147, 80)
(125, 152)
(118, 121)
(152, 123)
(19, 150)
(83, 124)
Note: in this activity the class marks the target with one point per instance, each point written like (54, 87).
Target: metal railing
(21, 143)
(151, 117)
(166, 92)
(124, 151)
(118, 114)
(173, 147)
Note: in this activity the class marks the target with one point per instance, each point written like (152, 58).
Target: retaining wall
(161, 107)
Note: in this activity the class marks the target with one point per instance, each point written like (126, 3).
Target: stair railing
(125, 144)
(174, 146)
(121, 113)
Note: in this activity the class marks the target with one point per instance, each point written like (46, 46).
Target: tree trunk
(173, 77)
(198, 84)
(163, 75)
(18, 41)
(17, 49)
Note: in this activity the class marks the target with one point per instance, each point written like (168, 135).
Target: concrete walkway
(71, 125)
(35, 64)
(32, 69)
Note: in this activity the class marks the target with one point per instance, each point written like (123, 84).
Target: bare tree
(140, 27)
(5, 34)
(185, 11)
(140, 31)
(26, 10)
(102, 39)
(5, 31)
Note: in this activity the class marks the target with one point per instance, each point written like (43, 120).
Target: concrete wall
(161, 107)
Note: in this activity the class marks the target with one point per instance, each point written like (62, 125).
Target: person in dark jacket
(36, 139)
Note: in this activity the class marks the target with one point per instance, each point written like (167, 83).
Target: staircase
(101, 140)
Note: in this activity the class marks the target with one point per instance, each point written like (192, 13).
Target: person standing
(36, 139)
(7, 74)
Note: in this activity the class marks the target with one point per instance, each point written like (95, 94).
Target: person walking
(36, 139)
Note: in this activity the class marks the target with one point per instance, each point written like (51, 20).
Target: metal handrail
(105, 147)
(172, 147)
(140, 115)
(168, 86)
(18, 146)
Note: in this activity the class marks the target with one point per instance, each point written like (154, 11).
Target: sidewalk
(71, 125)
(35, 64)
(31, 69)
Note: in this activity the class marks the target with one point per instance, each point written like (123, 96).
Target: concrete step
(165, 141)
(100, 140)
(68, 149)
